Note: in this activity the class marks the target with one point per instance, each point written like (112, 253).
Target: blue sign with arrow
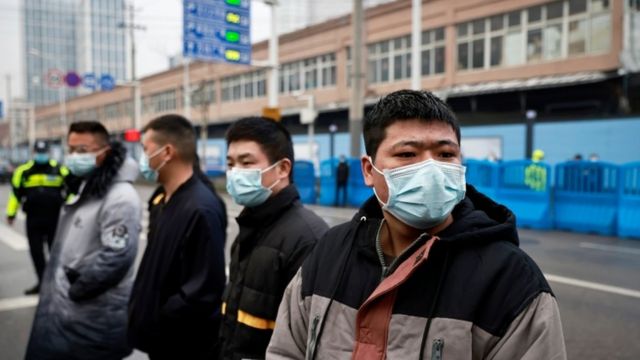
(107, 82)
(217, 30)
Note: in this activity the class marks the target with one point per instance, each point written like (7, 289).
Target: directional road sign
(217, 30)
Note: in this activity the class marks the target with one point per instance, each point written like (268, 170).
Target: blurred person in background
(342, 179)
(38, 186)
(535, 175)
(82, 313)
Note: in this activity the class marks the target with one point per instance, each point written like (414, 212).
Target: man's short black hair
(175, 130)
(274, 139)
(90, 127)
(404, 105)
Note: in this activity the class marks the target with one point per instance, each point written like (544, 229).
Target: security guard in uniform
(39, 186)
(535, 175)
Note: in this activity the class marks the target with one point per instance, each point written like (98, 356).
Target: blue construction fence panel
(629, 208)
(305, 180)
(525, 188)
(328, 182)
(483, 175)
(586, 197)
(357, 191)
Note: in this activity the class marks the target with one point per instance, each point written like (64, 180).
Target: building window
(163, 101)
(112, 111)
(245, 86)
(204, 95)
(556, 30)
(311, 73)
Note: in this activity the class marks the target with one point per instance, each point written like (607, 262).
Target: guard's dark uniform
(40, 189)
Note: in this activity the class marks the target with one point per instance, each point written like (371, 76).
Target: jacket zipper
(311, 344)
(437, 349)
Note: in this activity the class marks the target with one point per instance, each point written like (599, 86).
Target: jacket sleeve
(119, 222)
(16, 192)
(289, 339)
(535, 334)
(202, 274)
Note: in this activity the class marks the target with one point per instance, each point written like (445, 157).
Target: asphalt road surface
(595, 279)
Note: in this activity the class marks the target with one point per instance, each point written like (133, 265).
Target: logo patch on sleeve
(117, 238)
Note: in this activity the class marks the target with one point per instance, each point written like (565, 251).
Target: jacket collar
(270, 210)
(477, 219)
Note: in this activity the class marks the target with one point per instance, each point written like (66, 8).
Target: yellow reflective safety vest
(39, 188)
(535, 177)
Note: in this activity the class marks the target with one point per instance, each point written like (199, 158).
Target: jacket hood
(476, 218)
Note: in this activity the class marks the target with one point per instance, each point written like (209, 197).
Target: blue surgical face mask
(41, 158)
(80, 164)
(245, 186)
(423, 195)
(145, 169)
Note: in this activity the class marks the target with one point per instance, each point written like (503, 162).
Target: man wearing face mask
(174, 311)
(429, 268)
(82, 313)
(276, 233)
(39, 187)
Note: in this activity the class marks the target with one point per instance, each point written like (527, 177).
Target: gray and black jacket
(273, 241)
(469, 293)
(82, 313)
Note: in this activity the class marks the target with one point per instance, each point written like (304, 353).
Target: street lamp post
(332, 132)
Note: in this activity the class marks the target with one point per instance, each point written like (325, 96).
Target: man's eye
(447, 155)
(406, 154)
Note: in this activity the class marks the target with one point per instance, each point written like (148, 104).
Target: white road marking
(18, 303)
(612, 248)
(593, 286)
(13, 239)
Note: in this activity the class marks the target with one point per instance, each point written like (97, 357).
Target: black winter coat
(273, 241)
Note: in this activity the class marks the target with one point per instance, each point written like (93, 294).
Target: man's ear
(367, 170)
(171, 152)
(284, 168)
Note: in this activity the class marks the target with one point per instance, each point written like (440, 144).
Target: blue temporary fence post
(586, 197)
(328, 182)
(483, 175)
(357, 191)
(525, 188)
(629, 205)
(305, 180)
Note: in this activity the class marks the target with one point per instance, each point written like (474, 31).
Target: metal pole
(356, 103)
(32, 127)
(416, 40)
(62, 95)
(137, 108)
(273, 56)
(186, 89)
(12, 137)
(310, 106)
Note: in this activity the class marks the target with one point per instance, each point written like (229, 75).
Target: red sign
(131, 135)
(55, 78)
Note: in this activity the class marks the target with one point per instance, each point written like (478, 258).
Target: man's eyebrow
(243, 156)
(447, 142)
(414, 143)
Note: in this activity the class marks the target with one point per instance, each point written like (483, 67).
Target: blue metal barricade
(586, 197)
(629, 206)
(328, 182)
(357, 191)
(305, 180)
(525, 188)
(483, 175)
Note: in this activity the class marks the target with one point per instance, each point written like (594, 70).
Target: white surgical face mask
(422, 195)
(245, 186)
